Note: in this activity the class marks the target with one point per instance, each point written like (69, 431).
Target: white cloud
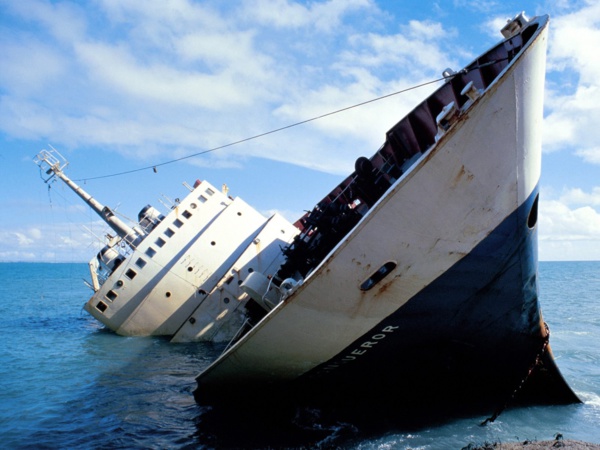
(570, 227)
(117, 69)
(572, 103)
(324, 16)
(576, 196)
(418, 50)
(590, 155)
(477, 5)
(22, 239)
(178, 77)
(28, 66)
(372, 65)
(63, 20)
(58, 242)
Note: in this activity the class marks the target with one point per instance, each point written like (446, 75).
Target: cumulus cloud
(169, 76)
(22, 239)
(570, 222)
(63, 241)
(572, 103)
(577, 196)
(324, 16)
(570, 226)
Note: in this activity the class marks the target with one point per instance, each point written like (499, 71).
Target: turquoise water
(67, 383)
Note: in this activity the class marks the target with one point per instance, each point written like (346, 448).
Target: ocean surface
(67, 383)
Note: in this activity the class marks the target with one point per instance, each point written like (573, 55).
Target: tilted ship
(415, 279)
(179, 274)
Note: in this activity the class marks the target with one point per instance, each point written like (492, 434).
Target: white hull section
(180, 275)
(263, 255)
(180, 265)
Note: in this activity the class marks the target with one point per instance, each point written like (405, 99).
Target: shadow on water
(273, 424)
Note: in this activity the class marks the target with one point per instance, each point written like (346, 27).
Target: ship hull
(433, 295)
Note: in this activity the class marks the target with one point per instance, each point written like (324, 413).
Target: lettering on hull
(356, 352)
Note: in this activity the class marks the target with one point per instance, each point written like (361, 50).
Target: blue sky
(119, 85)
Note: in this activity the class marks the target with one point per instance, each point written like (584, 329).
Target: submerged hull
(433, 294)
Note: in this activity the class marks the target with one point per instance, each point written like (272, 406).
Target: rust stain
(386, 286)
(382, 289)
(462, 172)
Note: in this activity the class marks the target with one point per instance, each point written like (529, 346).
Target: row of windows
(150, 252)
(160, 242)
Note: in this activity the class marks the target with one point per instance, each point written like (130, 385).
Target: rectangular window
(111, 295)
(160, 242)
(178, 223)
(169, 232)
(209, 191)
(150, 252)
(202, 199)
(140, 263)
(130, 274)
(101, 306)
(186, 214)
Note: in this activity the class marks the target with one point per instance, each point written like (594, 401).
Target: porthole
(190, 269)
(226, 300)
(213, 243)
(379, 275)
(533, 213)
(201, 292)
(168, 294)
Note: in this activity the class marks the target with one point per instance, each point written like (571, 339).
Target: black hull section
(472, 337)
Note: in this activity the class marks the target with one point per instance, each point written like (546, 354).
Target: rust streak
(462, 172)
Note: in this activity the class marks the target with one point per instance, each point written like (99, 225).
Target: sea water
(66, 382)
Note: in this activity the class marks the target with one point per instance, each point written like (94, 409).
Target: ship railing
(247, 323)
(50, 161)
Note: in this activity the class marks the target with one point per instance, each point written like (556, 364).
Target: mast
(52, 164)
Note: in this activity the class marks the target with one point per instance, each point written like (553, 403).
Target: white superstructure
(179, 274)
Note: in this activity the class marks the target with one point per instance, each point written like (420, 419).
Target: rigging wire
(286, 127)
